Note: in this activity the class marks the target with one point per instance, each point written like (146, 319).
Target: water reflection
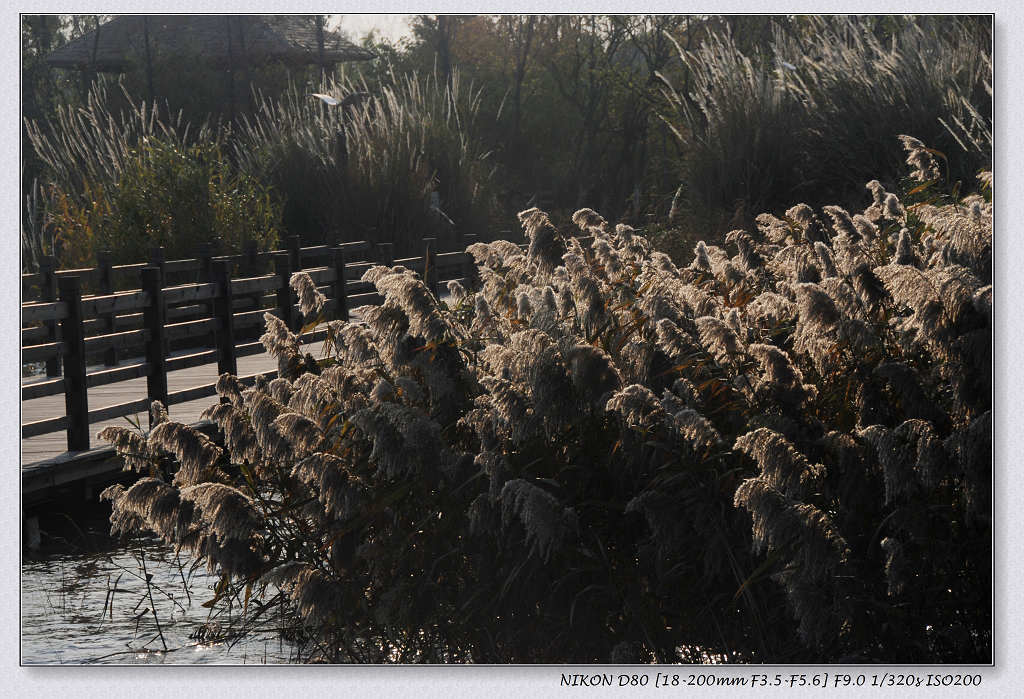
(98, 608)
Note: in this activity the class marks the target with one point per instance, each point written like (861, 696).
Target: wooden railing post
(157, 259)
(153, 318)
(430, 277)
(250, 256)
(224, 313)
(386, 254)
(76, 400)
(205, 262)
(469, 270)
(106, 286)
(294, 253)
(249, 266)
(48, 292)
(282, 269)
(340, 290)
(206, 275)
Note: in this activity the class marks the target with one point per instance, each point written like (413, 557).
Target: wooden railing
(215, 319)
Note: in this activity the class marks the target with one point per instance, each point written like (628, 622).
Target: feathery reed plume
(196, 453)
(816, 308)
(676, 208)
(149, 503)
(925, 169)
(280, 342)
(869, 287)
(695, 430)
(457, 291)
(782, 466)
(407, 292)
(317, 598)
(589, 221)
(131, 446)
(701, 261)
(546, 522)
(905, 253)
(868, 231)
(718, 338)
(229, 387)
(593, 372)
(546, 247)
(157, 413)
(311, 301)
(227, 511)
(303, 434)
(828, 264)
(239, 438)
(779, 370)
(338, 491)
(638, 406)
(892, 208)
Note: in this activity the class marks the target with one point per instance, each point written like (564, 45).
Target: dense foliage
(128, 179)
(167, 195)
(777, 453)
(700, 122)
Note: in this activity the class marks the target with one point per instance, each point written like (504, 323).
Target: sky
(390, 26)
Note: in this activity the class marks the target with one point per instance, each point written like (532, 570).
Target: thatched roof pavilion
(225, 40)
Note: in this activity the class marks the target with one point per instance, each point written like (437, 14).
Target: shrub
(129, 180)
(169, 195)
(777, 455)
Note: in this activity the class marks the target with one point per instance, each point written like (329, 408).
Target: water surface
(96, 608)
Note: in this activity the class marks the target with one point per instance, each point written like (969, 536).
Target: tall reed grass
(778, 452)
(812, 116)
(93, 144)
(394, 166)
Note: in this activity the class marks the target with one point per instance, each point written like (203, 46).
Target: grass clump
(395, 166)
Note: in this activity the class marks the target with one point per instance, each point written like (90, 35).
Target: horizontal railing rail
(215, 319)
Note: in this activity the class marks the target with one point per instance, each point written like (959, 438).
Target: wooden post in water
(106, 286)
(282, 269)
(224, 314)
(48, 292)
(340, 289)
(153, 318)
(76, 400)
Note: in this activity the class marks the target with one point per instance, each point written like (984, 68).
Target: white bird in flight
(326, 99)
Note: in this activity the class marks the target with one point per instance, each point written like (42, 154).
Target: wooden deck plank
(48, 446)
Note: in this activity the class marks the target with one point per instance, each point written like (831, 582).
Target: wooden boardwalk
(48, 446)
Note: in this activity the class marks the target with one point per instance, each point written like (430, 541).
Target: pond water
(96, 608)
